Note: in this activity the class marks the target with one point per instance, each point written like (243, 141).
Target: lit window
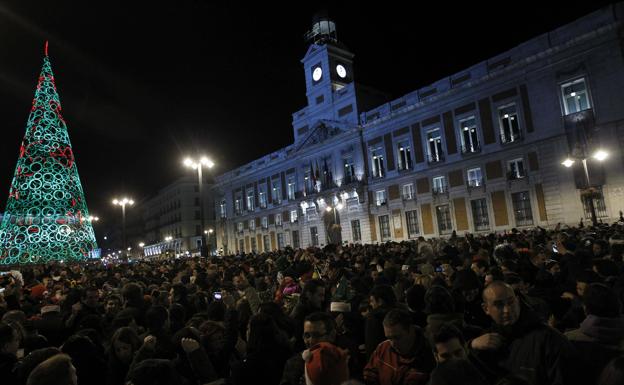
(434, 146)
(378, 163)
(575, 96)
(408, 191)
(516, 169)
(469, 136)
(293, 216)
(475, 179)
(439, 184)
(292, 187)
(509, 124)
(278, 219)
(380, 197)
(405, 155)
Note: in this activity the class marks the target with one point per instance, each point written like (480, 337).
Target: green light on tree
(46, 216)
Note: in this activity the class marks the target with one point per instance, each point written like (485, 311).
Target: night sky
(144, 85)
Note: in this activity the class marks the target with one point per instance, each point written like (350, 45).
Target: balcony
(347, 180)
(468, 150)
(473, 184)
(408, 197)
(440, 191)
(435, 158)
(511, 137)
(511, 176)
(405, 167)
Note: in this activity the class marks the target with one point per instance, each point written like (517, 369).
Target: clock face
(317, 73)
(342, 72)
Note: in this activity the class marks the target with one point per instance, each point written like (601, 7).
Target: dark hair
(7, 334)
(398, 317)
(446, 333)
(613, 373)
(310, 288)
(326, 318)
(127, 336)
(415, 297)
(56, 370)
(156, 317)
(133, 294)
(438, 300)
(263, 334)
(384, 293)
(601, 301)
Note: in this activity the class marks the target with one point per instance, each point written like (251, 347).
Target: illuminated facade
(478, 151)
(172, 219)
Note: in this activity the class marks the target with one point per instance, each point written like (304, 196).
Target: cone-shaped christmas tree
(46, 216)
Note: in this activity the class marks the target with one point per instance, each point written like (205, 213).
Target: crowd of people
(538, 306)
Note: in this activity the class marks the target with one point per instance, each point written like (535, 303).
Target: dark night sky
(143, 85)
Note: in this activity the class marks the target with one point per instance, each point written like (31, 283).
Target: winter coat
(531, 349)
(598, 340)
(387, 367)
(374, 331)
(8, 375)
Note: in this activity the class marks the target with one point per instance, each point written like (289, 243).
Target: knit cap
(325, 364)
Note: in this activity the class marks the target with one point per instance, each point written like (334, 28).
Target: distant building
(172, 219)
(478, 151)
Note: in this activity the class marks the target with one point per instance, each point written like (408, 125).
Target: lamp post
(334, 232)
(199, 165)
(600, 156)
(123, 202)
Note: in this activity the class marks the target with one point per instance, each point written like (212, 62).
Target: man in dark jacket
(520, 343)
(601, 335)
(382, 300)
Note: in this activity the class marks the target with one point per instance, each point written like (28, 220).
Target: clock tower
(330, 89)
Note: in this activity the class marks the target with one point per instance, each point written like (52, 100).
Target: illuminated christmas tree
(46, 216)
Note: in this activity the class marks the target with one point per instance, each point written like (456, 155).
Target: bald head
(494, 287)
(501, 304)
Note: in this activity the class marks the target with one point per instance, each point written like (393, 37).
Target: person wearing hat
(325, 364)
(318, 327)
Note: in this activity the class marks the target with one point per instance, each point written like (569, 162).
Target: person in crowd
(267, 352)
(9, 344)
(56, 370)
(382, 300)
(318, 327)
(519, 343)
(600, 337)
(405, 358)
(171, 320)
(312, 299)
(448, 343)
(124, 345)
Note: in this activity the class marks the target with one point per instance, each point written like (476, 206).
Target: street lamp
(600, 156)
(199, 165)
(123, 202)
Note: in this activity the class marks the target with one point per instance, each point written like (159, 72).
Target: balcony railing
(439, 190)
(511, 138)
(404, 167)
(474, 149)
(408, 197)
(515, 176)
(433, 158)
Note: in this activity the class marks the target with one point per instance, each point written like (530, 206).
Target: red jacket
(387, 367)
